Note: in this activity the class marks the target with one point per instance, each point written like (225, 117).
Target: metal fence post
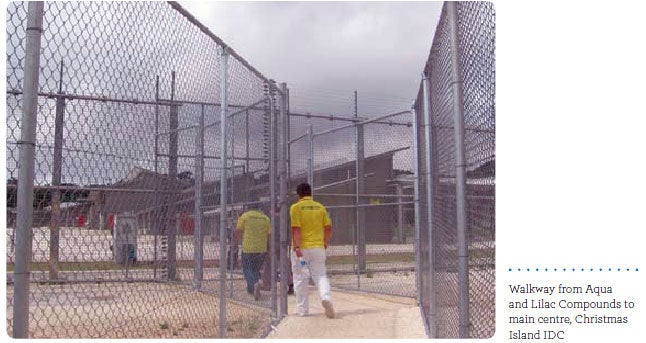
(54, 226)
(282, 156)
(27, 145)
(223, 190)
(232, 171)
(289, 137)
(156, 211)
(246, 169)
(198, 238)
(428, 176)
(171, 215)
(460, 175)
(310, 159)
(359, 191)
(273, 145)
(400, 213)
(416, 174)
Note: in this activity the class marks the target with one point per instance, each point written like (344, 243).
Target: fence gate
(372, 245)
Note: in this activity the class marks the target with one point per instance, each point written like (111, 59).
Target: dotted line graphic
(574, 269)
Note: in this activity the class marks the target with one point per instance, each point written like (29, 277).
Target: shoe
(291, 289)
(256, 291)
(329, 309)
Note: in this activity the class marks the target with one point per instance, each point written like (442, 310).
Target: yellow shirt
(312, 218)
(255, 226)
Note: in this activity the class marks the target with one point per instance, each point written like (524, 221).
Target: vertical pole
(232, 167)
(400, 213)
(27, 146)
(54, 226)
(282, 156)
(171, 215)
(231, 190)
(310, 159)
(428, 176)
(416, 174)
(289, 137)
(102, 217)
(359, 190)
(223, 190)
(460, 176)
(198, 240)
(232, 171)
(273, 144)
(246, 130)
(156, 212)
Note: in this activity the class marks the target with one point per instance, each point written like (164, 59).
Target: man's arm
(268, 229)
(295, 218)
(327, 225)
(296, 235)
(237, 236)
(237, 233)
(328, 235)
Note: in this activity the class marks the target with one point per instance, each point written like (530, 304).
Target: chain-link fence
(149, 137)
(334, 140)
(455, 115)
(130, 236)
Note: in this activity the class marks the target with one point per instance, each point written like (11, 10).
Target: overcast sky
(377, 48)
(323, 50)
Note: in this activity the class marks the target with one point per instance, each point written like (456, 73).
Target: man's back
(311, 217)
(256, 227)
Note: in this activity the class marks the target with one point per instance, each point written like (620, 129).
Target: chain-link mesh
(124, 91)
(439, 282)
(126, 227)
(372, 241)
(476, 28)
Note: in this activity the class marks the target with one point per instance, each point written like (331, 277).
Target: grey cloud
(368, 46)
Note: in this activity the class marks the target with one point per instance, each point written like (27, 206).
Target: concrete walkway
(358, 315)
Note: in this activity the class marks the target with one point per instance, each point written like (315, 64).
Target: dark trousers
(251, 263)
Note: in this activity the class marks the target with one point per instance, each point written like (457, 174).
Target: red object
(111, 221)
(80, 221)
(187, 224)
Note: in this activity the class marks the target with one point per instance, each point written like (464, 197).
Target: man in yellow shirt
(311, 232)
(254, 228)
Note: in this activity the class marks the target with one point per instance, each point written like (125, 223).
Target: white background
(571, 116)
(571, 122)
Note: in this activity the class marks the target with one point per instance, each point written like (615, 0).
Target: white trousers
(315, 267)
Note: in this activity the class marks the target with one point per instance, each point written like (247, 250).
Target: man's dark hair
(304, 190)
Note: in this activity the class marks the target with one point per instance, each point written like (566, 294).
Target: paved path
(358, 315)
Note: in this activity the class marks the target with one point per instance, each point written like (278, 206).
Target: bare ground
(140, 310)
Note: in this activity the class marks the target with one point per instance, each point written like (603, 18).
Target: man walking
(254, 228)
(311, 232)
